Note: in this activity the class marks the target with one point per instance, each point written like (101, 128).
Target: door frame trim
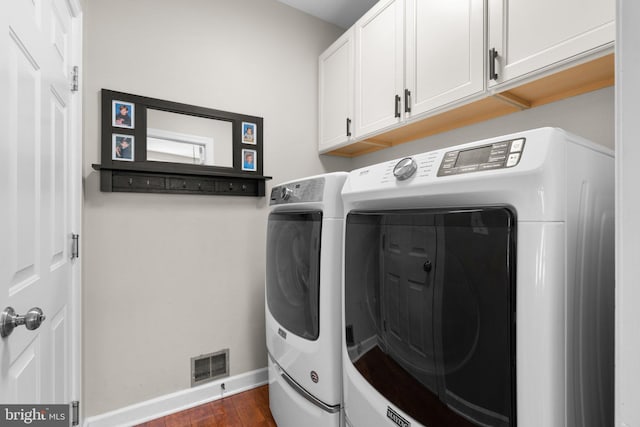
(76, 202)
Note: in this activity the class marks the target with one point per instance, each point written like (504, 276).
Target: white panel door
(36, 120)
(531, 35)
(379, 67)
(445, 52)
(336, 75)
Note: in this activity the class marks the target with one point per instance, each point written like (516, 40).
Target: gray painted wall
(168, 277)
(590, 115)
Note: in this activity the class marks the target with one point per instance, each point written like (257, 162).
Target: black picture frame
(235, 179)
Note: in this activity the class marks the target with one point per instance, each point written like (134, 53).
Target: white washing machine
(303, 303)
(479, 286)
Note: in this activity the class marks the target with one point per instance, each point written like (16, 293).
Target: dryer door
(429, 311)
(408, 251)
(293, 271)
(475, 313)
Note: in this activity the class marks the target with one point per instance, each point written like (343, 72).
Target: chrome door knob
(9, 320)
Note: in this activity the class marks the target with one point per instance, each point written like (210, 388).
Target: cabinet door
(336, 93)
(379, 66)
(445, 52)
(531, 35)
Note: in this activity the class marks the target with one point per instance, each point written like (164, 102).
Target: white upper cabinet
(336, 74)
(445, 52)
(379, 67)
(407, 61)
(532, 35)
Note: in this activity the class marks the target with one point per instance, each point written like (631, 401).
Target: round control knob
(286, 193)
(405, 168)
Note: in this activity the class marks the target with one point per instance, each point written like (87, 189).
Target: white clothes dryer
(303, 303)
(479, 286)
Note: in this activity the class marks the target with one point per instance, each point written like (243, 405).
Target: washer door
(293, 271)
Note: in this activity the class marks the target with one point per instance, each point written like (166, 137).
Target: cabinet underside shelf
(593, 75)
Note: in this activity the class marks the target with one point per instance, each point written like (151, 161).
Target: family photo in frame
(122, 114)
(249, 133)
(122, 147)
(249, 159)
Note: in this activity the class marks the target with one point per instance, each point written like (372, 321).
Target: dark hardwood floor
(248, 409)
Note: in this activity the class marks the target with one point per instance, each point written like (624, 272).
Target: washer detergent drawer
(292, 407)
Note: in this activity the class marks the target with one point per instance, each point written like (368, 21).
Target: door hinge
(75, 246)
(74, 78)
(75, 413)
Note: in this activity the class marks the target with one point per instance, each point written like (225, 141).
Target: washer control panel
(499, 155)
(310, 190)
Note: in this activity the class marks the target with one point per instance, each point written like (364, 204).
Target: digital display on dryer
(499, 155)
(473, 157)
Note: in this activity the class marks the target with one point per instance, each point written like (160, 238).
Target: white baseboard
(179, 401)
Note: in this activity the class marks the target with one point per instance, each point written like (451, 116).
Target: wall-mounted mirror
(155, 145)
(181, 138)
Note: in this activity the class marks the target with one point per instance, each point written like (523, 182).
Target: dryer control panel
(310, 190)
(499, 155)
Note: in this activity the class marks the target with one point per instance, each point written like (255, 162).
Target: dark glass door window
(430, 311)
(293, 271)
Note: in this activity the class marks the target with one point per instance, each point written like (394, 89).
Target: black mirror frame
(168, 177)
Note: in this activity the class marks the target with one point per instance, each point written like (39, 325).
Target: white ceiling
(342, 13)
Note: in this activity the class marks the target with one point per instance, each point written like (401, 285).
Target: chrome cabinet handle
(9, 320)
